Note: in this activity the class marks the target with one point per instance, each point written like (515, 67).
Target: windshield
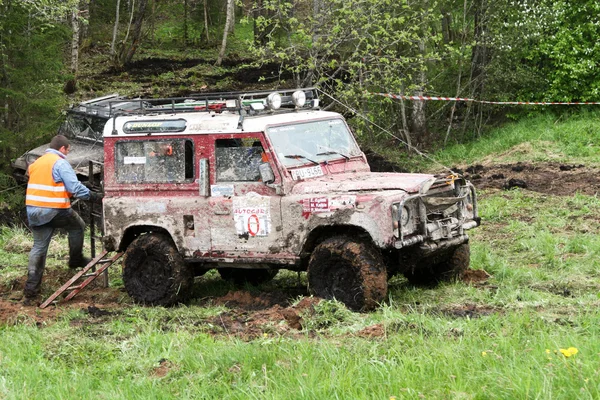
(83, 127)
(313, 142)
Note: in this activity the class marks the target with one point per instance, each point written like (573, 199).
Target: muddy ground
(252, 314)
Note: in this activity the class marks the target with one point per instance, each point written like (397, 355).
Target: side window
(162, 161)
(238, 159)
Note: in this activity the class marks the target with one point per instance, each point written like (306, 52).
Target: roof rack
(106, 106)
(245, 103)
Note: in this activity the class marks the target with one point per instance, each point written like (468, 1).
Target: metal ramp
(85, 277)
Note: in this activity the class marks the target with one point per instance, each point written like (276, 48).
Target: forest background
(54, 53)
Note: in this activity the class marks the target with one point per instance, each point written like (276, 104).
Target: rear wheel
(154, 272)
(348, 270)
(241, 276)
(449, 268)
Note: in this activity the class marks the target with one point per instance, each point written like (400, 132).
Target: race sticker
(252, 215)
(309, 172)
(134, 160)
(319, 205)
(221, 190)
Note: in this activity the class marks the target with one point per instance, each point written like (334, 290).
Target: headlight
(404, 216)
(30, 158)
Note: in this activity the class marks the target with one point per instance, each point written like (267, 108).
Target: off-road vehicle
(83, 125)
(250, 183)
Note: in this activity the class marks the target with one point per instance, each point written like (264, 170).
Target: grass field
(529, 331)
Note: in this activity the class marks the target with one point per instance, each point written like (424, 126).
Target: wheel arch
(321, 233)
(132, 232)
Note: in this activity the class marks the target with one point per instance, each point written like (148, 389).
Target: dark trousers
(74, 225)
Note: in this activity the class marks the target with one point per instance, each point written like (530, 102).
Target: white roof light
(274, 101)
(299, 98)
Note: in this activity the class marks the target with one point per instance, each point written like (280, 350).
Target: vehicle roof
(216, 122)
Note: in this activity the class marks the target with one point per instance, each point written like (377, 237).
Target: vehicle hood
(362, 182)
(79, 154)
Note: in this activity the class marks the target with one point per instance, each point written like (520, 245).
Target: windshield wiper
(301, 156)
(328, 152)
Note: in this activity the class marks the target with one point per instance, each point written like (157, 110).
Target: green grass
(570, 138)
(495, 340)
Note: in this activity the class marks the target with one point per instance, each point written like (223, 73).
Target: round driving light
(274, 101)
(30, 158)
(405, 216)
(299, 98)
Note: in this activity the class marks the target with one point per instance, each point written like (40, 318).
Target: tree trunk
(419, 120)
(228, 22)
(71, 84)
(185, 20)
(206, 22)
(128, 48)
(137, 32)
(115, 28)
(75, 41)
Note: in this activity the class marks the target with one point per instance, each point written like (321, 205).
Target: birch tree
(230, 20)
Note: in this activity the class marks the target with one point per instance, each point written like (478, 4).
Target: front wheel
(348, 270)
(154, 272)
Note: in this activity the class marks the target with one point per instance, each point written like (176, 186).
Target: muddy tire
(154, 272)
(348, 270)
(449, 268)
(242, 276)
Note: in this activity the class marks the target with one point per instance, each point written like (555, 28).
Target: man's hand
(96, 197)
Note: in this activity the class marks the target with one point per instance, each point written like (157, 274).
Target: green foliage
(31, 63)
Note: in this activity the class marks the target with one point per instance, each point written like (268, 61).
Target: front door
(245, 213)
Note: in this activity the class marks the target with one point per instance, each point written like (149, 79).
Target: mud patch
(275, 320)
(549, 178)
(468, 311)
(248, 301)
(164, 367)
(371, 332)
(475, 276)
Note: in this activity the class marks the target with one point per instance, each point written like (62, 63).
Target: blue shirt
(61, 172)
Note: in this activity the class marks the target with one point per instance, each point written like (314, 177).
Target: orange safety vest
(42, 191)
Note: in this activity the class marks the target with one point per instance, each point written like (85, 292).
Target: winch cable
(409, 146)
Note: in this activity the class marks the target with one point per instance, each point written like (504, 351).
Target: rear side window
(155, 161)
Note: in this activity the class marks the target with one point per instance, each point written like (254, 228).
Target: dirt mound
(373, 331)
(549, 178)
(475, 276)
(263, 323)
(252, 301)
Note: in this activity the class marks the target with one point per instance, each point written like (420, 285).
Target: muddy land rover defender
(256, 182)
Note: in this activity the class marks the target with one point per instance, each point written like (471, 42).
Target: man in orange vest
(52, 182)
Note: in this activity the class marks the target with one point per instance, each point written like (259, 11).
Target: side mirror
(266, 173)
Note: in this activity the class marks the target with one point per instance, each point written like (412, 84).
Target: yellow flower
(571, 351)
(484, 353)
(547, 351)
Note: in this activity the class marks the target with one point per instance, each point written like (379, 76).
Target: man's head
(60, 143)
